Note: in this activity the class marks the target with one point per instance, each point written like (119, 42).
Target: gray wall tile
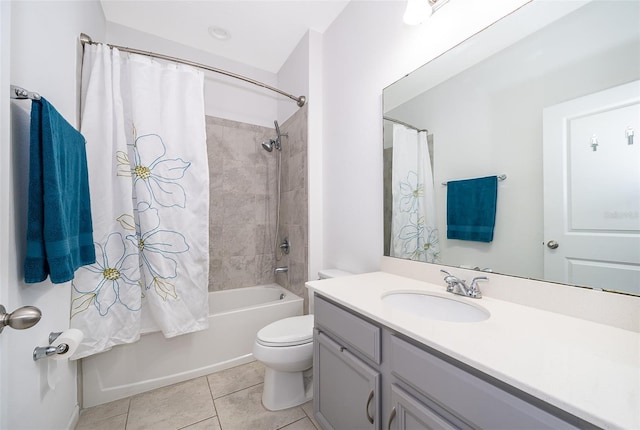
(243, 198)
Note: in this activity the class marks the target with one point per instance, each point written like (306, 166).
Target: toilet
(285, 347)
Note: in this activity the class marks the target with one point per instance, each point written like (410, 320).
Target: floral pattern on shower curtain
(144, 125)
(414, 234)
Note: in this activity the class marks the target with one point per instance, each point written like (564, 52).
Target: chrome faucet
(283, 269)
(459, 286)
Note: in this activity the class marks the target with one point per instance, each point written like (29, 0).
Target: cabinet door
(410, 414)
(468, 397)
(346, 390)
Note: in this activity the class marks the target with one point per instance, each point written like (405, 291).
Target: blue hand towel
(59, 227)
(471, 209)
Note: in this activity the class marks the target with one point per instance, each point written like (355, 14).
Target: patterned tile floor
(227, 400)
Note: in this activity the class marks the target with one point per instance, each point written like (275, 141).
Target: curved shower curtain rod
(406, 124)
(85, 39)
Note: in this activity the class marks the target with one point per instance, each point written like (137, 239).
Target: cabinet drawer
(474, 400)
(356, 332)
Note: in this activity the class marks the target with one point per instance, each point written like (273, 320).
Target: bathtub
(235, 316)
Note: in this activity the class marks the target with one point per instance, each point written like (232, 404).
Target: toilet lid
(287, 332)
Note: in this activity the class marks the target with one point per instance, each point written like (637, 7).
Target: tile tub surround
(226, 400)
(243, 193)
(241, 223)
(588, 369)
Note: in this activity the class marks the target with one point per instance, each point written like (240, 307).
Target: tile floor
(226, 400)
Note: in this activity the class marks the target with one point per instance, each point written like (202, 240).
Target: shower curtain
(144, 125)
(413, 224)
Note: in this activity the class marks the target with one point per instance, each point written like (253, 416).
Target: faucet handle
(474, 289)
(451, 281)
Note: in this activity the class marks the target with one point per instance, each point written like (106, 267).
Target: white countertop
(588, 369)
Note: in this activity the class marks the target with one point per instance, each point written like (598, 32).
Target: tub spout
(284, 269)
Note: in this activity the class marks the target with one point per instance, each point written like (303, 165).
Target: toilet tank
(332, 273)
(326, 274)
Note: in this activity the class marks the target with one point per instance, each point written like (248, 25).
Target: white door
(4, 208)
(592, 190)
(42, 394)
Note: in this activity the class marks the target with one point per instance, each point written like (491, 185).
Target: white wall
(293, 78)
(315, 151)
(45, 57)
(367, 48)
(225, 97)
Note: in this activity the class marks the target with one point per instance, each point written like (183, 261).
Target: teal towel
(471, 209)
(59, 227)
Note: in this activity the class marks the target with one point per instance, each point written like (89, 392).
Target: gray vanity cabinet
(463, 399)
(346, 363)
(367, 376)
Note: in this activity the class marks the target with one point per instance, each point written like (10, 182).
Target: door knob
(24, 317)
(552, 244)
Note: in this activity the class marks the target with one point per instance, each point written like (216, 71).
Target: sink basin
(436, 307)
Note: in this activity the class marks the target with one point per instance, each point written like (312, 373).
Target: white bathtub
(235, 316)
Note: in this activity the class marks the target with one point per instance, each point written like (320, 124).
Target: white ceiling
(263, 32)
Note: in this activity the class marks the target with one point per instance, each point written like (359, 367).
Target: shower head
(268, 145)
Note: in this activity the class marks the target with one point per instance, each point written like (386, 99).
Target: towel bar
(21, 93)
(500, 178)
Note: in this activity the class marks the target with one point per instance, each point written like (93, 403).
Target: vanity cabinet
(349, 396)
(367, 376)
(461, 398)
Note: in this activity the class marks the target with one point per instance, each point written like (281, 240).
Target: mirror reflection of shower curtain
(413, 224)
(145, 129)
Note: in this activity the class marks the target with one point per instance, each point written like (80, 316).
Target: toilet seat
(287, 332)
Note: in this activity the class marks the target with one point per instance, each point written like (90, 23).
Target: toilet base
(284, 390)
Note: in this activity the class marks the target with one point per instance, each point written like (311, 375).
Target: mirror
(548, 96)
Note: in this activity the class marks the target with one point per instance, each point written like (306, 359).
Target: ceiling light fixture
(418, 11)
(219, 33)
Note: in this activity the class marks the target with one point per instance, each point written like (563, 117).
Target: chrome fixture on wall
(285, 246)
(20, 93)
(501, 177)
(46, 351)
(269, 145)
(67, 343)
(418, 11)
(280, 247)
